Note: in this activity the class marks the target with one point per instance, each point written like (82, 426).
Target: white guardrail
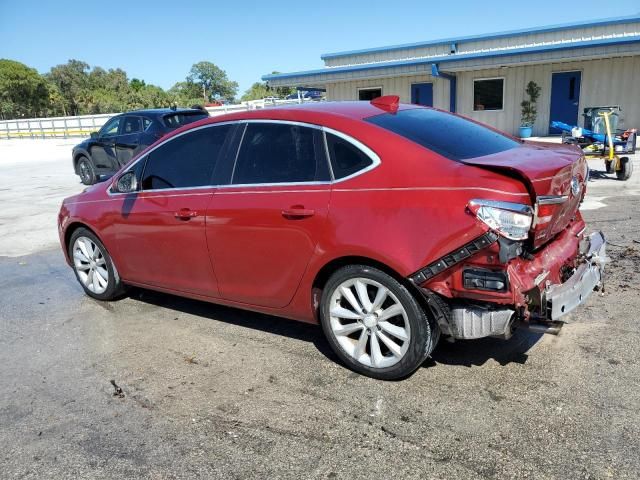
(83, 125)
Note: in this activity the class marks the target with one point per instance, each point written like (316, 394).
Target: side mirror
(127, 183)
(94, 135)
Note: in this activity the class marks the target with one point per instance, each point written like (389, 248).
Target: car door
(262, 229)
(128, 140)
(103, 148)
(160, 229)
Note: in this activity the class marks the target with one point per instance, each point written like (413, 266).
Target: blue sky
(158, 41)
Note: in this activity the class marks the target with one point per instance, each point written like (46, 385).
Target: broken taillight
(545, 211)
(511, 220)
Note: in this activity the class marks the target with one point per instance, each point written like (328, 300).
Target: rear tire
(626, 168)
(374, 324)
(93, 266)
(608, 165)
(86, 171)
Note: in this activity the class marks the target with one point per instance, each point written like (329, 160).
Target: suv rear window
(178, 119)
(449, 135)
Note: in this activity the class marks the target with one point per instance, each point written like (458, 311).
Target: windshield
(178, 119)
(449, 135)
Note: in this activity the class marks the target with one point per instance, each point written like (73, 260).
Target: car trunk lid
(555, 176)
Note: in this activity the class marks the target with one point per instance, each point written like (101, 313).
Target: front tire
(374, 324)
(93, 266)
(86, 171)
(608, 165)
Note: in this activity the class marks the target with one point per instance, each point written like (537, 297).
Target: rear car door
(128, 140)
(262, 229)
(103, 148)
(160, 229)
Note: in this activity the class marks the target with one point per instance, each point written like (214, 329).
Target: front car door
(262, 229)
(103, 148)
(128, 140)
(160, 229)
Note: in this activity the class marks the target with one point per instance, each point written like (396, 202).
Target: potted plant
(529, 110)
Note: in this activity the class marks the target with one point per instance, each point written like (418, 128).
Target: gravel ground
(214, 392)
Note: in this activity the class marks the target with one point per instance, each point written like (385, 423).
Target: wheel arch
(335, 264)
(76, 158)
(71, 228)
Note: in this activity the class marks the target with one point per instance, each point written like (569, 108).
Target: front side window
(131, 125)
(488, 94)
(346, 158)
(185, 161)
(111, 127)
(280, 153)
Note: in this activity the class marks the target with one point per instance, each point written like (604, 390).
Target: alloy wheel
(84, 171)
(369, 322)
(90, 265)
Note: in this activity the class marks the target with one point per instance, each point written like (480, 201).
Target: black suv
(123, 137)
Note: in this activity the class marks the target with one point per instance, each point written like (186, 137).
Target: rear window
(450, 136)
(178, 119)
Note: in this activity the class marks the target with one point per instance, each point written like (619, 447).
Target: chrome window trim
(375, 159)
(209, 125)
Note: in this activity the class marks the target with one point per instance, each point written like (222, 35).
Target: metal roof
(491, 36)
(458, 57)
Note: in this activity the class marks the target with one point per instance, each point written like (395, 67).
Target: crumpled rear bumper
(588, 276)
(551, 300)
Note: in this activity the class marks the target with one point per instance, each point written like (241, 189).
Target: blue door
(565, 96)
(422, 94)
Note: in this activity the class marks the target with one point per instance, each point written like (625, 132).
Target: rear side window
(280, 153)
(131, 125)
(346, 158)
(185, 161)
(175, 120)
(449, 135)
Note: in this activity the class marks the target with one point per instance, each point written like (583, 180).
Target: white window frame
(359, 89)
(473, 93)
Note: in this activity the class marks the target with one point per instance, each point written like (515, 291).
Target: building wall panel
(607, 81)
(492, 44)
(400, 86)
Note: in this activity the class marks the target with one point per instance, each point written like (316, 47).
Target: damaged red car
(390, 225)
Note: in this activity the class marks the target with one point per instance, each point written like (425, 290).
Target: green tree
(256, 91)
(212, 82)
(137, 84)
(72, 80)
(185, 94)
(261, 90)
(23, 91)
(148, 96)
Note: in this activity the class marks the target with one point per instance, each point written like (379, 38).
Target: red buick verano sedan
(388, 224)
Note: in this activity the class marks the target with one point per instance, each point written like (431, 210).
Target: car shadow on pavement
(242, 318)
(462, 352)
(601, 175)
(477, 352)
